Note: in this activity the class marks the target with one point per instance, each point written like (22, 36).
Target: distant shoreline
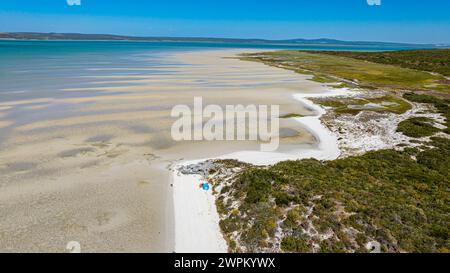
(35, 36)
(200, 42)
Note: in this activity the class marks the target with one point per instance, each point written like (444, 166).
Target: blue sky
(394, 20)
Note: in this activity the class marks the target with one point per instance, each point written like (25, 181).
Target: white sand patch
(371, 131)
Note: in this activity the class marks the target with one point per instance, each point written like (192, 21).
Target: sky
(410, 21)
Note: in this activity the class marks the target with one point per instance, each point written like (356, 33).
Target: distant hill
(108, 37)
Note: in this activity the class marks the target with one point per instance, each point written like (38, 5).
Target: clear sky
(417, 21)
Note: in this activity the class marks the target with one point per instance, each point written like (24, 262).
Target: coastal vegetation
(417, 127)
(391, 200)
(395, 199)
(441, 105)
(388, 103)
(437, 60)
(353, 72)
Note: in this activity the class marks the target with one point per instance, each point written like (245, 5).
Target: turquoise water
(41, 69)
(45, 47)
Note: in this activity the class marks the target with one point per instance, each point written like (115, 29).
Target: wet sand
(95, 169)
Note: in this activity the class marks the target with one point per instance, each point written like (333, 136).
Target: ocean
(41, 69)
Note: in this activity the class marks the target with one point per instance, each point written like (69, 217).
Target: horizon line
(292, 40)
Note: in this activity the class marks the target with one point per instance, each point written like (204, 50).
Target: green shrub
(417, 127)
(442, 105)
(294, 244)
(258, 184)
(386, 195)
